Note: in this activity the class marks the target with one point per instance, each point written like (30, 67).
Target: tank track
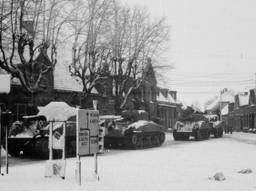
(143, 140)
(202, 134)
(180, 136)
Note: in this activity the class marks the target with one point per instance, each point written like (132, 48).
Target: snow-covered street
(185, 165)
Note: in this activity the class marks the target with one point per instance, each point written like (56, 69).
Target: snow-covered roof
(224, 110)
(167, 99)
(161, 97)
(213, 106)
(226, 96)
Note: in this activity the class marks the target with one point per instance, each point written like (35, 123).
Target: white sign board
(57, 140)
(87, 131)
(5, 83)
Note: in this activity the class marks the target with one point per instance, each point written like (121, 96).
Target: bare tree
(136, 38)
(90, 49)
(29, 28)
(111, 40)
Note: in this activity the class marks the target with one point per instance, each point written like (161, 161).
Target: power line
(211, 83)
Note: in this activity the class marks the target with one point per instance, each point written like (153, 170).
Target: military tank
(25, 135)
(195, 125)
(217, 126)
(29, 137)
(132, 130)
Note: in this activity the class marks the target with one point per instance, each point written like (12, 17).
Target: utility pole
(220, 104)
(255, 80)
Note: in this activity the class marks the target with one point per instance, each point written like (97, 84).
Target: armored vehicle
(29, 137)
(217, 126)
(195, 125)
(122, 131)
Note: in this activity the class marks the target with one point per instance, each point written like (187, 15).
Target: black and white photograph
(127, 95)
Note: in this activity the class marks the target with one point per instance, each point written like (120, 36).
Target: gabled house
(252, 110)
(242, 117)
(167, 107)
(218, 103)
(241, 100)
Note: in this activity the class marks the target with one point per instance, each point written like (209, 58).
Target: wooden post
(96, 166)
(64, 151)
(50, 141)
(64, 141)
(6, 144)
(248, 120)
(78, 162)
(78, 170)
(95, 103)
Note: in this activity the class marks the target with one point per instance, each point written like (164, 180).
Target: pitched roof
(213, 106)
(166, 99)
(226, 96)
(224, 110)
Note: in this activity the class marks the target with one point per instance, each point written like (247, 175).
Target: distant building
(167, 107)
(242, 112)
(219, 105)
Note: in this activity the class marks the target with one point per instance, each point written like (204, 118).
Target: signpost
(56, 141)
(87, 138)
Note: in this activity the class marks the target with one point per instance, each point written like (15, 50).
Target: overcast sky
(213, 45)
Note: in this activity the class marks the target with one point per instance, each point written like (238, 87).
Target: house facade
(242, 112)
(168, 107)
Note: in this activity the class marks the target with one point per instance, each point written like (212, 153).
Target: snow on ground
(178, 166)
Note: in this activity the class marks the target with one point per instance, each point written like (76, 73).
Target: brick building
(58, 85)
